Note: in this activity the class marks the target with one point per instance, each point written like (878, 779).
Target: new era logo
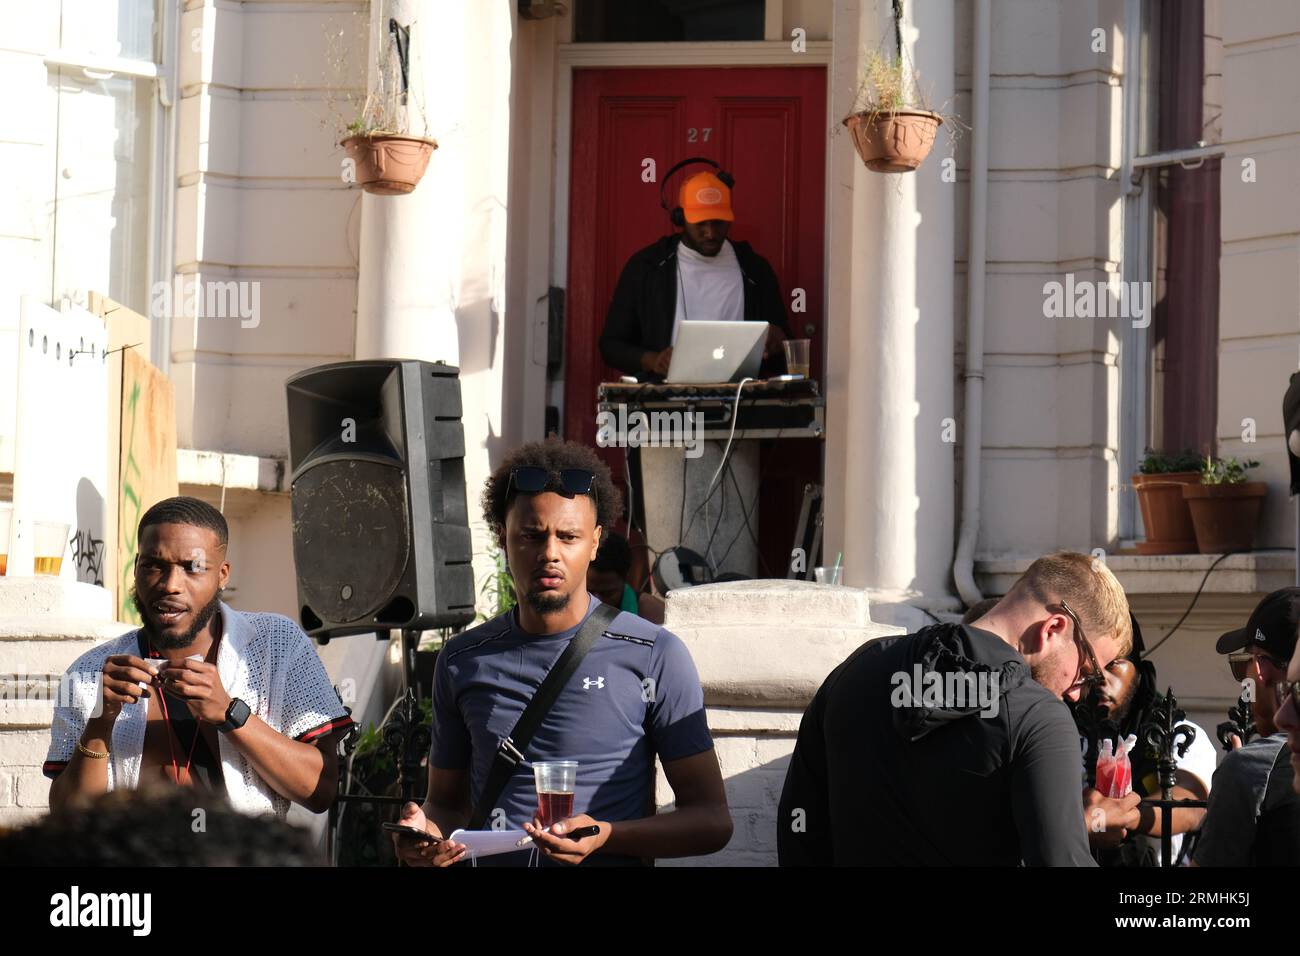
(588, 683)
(1259, 637)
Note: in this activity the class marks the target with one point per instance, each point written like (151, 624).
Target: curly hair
(554, 456)
(185, 510)
(155, 827)
(615, 554)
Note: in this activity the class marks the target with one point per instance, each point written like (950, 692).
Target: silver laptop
(717, 352)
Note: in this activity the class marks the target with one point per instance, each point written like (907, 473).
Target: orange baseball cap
(704, 196)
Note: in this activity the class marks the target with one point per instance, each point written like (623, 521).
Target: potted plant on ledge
(1165, 514)
(1225, 506)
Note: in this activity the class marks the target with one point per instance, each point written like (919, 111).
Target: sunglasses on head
(531, 480)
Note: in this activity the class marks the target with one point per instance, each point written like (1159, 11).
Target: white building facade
(150, 139)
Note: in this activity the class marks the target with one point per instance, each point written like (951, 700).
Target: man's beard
(547, 602)
(1043, 670)
(164, 643)
(1120, 712)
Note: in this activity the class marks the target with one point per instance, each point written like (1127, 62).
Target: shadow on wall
(477, 328)
(88, 551)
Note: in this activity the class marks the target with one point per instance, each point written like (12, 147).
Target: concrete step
(34, 653)
(45, 596)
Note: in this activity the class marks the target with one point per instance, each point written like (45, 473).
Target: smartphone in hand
(411, 833)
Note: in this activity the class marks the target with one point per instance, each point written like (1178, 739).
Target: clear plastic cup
(6, 526)
(49, 542)
(555, 781)
(796, 356)
(830, 575)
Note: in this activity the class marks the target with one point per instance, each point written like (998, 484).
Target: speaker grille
(351, 537)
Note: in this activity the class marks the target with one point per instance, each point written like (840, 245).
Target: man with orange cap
(697, 274)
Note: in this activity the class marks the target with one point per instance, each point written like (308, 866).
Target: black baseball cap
(1272, 626)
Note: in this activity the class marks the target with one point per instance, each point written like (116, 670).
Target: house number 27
(693, 134)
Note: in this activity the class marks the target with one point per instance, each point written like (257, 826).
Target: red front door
(766, 126)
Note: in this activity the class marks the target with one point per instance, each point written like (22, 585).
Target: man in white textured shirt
(698, 274)
(201, 696)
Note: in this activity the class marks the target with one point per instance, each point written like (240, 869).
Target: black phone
(411, 833)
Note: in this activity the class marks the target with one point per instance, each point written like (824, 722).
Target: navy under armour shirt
(636, 694)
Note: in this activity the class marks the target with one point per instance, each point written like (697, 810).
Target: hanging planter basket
(896, 142)
(388, 164)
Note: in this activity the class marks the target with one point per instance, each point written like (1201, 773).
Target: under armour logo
(598, 683)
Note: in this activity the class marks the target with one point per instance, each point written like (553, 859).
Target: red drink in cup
(1123, 782)
(1105, 768)
(555, 783)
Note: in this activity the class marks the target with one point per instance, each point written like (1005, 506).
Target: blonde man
(952, 746)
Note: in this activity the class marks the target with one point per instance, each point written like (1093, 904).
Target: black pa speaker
(380, 527)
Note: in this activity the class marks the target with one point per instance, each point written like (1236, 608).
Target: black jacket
(884, 774)
(640, 317)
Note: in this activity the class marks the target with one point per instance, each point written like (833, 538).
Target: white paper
(489, 842)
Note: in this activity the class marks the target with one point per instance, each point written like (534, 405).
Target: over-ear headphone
(676, 215)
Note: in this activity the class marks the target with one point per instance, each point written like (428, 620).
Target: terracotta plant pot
(894, 142)
(388, 164)
(1225, 516)
(1165, 515)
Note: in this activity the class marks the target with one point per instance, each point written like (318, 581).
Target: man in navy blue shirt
(635, 695)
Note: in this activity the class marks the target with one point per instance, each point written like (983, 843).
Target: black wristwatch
(236, 716)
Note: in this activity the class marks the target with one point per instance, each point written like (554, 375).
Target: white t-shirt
(709, 288)
(1200, 761)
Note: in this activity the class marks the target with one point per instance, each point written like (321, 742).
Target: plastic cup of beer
(555, 780)
(49, 539)
(796, 356)
(6, 525)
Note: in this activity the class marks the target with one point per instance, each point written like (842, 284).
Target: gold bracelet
(92, 754)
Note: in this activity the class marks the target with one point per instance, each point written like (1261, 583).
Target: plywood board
(148, 461)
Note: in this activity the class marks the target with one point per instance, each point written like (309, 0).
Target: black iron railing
(404, 739)
(1165, 732)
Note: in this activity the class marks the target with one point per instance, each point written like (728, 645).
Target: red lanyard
(171, 732)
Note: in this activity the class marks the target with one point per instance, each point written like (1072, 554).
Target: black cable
(746, 514)
(681, 535)
(722, 510)
(1195, 597)
(696, 513)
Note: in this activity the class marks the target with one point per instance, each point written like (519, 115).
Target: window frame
(1138, 171)
(162, 75)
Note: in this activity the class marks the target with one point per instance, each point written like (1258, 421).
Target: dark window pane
(624, 21)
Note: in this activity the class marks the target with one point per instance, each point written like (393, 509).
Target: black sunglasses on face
(1088, 681)
(1239, 663)
(532, 480)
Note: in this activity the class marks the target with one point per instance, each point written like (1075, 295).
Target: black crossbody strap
(510, 750)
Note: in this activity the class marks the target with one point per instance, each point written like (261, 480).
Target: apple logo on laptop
(718, 353)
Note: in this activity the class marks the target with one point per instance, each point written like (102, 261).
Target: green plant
(887, 87)
(387, 107)
(1225, 471)
(498, 588)
(370, 761)
(1164, 463)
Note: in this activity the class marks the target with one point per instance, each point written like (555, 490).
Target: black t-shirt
(157, 755)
